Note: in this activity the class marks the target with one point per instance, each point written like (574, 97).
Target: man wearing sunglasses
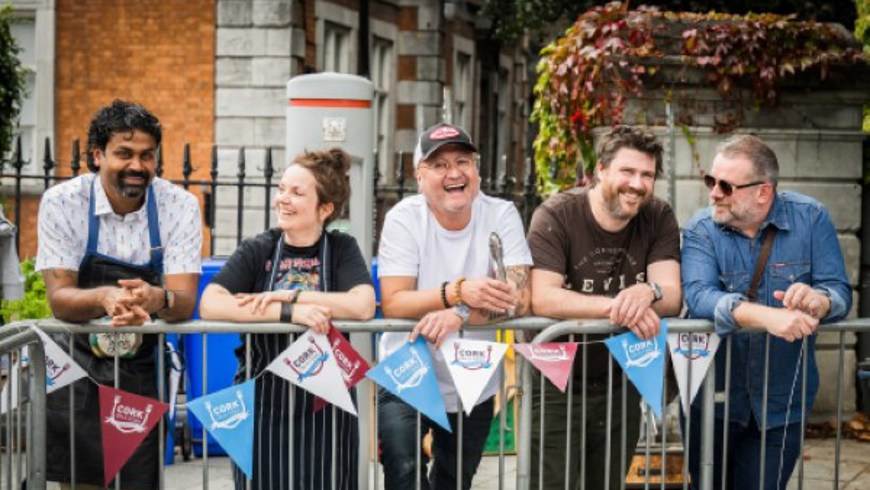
(726, 279)
(609, 251)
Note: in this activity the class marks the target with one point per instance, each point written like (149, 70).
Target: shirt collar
(778, 214)
(102, 206)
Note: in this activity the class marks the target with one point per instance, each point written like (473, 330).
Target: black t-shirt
(249, 268)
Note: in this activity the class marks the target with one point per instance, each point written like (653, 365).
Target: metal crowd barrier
(369, 474)
(23, 425)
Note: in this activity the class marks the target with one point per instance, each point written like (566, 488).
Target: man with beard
(125, 245)
(772, 261)
(610, 251)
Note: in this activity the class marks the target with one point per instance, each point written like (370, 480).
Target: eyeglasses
(726, 187)
(440, 167)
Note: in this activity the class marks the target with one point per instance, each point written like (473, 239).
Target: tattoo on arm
(519, 275)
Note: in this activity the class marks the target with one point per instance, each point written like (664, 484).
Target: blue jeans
(744, 454)
(397, 423)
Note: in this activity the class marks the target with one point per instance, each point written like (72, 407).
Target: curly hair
(330, 169)
(121, 116)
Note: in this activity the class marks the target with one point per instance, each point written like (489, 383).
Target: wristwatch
(463, 312)
(168, 299)
(657, 291)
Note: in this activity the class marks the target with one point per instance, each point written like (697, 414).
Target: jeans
(744, 454)
(555, 438)
(397, 424)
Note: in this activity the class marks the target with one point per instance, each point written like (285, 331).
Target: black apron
(136, 375)
(312, 443)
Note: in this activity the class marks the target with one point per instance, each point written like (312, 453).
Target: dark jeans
(397, 423)
(556, 434)
(744, 454)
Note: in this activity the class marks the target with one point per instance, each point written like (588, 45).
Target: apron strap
(93, 222)
(154, 232)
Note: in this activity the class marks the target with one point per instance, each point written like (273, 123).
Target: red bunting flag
(353, 366)
(125, 420)
(554, 360)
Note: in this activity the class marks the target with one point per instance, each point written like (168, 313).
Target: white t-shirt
(413, 243)
(63, 227)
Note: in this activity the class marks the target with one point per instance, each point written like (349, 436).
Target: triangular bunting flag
(472, 364)
(408, 373)
(228, 415)
(642, 361)
(353, 366)
(697, 349)
(310, 364)
(553, 360)
(60, 369)
(125, 420)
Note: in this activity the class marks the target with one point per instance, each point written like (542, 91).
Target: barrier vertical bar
(764, 393)
(608, 420)
(37, 424)
(161, 395)
(840, 368)
(708, 430)
(804, 353)
(726, 410)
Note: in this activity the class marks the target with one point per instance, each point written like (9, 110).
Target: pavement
(819, 470)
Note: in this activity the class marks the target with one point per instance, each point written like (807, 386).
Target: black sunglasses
(726, 187)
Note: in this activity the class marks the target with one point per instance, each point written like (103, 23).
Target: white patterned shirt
(63, 227)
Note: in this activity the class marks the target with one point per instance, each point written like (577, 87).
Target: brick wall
(159, 53)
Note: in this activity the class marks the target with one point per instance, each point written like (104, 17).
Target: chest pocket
(735, 281)
(784, 274)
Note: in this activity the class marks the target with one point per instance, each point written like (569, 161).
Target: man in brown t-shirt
(610, 251)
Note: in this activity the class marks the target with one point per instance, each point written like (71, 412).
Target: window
(503, 123)
(336, 48)
(462, 91)
(382, 63)
(24, 32)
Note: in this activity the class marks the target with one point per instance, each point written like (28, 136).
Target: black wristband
(444, 294)
(286, 312)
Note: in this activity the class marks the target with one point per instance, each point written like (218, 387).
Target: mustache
(133, 173)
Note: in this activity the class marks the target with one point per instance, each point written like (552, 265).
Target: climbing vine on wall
(612, 53)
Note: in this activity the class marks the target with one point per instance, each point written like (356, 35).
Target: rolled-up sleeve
(700, 273)
(828, 267)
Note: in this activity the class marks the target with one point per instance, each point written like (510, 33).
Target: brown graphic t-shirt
(565, 238)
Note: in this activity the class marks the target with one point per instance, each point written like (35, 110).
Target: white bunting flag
(697, 349)
(472, 364)
(310, 364)
(60, 369)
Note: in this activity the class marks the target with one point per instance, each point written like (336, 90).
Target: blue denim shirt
(717, 266)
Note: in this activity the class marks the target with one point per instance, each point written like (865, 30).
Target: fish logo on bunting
(641, 354)
(692, 345)
(127, 420)
(554, 360)
(472, 364)
(228, 415)
(410, 373)
(310, 362)
(643, 363)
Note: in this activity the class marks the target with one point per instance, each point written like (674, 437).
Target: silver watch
(463, 312)
(657, 291)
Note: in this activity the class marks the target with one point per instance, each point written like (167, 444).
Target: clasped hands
(486, 294)
(132, 302)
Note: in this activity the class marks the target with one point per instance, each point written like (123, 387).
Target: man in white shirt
(434, 266)
(122, 244)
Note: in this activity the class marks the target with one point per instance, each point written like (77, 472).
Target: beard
(614, 207)
(133, 190)
(733, 214)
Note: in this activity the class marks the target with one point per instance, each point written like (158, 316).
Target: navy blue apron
(137, 374)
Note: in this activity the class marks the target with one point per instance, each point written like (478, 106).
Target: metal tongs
(496, 253)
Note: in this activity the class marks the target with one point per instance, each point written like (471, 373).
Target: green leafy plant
(612, 53)
(34, 304)
(12, 84)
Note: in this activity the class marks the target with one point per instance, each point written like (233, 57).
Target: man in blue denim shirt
(803, 284)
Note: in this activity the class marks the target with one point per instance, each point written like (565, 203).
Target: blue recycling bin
(221, 363)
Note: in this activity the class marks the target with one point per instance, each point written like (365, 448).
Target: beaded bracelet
(444, 294)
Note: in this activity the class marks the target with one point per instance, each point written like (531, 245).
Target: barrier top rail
(556, 327)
